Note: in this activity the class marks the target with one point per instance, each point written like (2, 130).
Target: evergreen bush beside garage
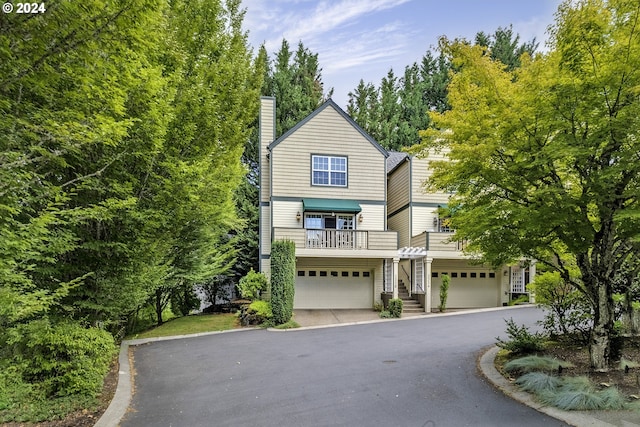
(283, 269)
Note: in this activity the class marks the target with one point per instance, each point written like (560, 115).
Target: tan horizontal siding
(284, 214)
(423, 218)
(400, 223)
(265, 229)
(421, 171)
(267, 113)
(381, 240)
(398, 188)
(328, 133)
(419, 240)
(296, 235)
(373, 217)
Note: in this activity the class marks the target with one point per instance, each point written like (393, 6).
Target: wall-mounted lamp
(298, 216)
(360, 218)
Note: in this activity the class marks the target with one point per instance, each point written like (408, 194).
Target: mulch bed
(627, 382)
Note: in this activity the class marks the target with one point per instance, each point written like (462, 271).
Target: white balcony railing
(356, 240)
(337, 239)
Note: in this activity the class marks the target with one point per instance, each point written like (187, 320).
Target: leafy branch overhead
(544, 159)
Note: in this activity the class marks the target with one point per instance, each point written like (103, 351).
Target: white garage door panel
(467, 293)
(333, 292)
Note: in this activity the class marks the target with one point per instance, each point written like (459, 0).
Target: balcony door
(329, 231)
(328, 221)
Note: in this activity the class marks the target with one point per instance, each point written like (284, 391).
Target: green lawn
(191, 325)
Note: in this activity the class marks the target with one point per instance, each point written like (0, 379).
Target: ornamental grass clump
(571, 393)
(538, 382)
(536, 363)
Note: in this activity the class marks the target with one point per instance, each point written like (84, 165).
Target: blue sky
(363, 39)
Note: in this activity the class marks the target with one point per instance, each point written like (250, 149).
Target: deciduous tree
(544, 161)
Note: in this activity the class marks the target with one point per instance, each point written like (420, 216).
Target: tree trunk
(600, 344)
(159, 307)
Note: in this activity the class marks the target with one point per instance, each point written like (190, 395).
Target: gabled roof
(329, 103)
(395, 159)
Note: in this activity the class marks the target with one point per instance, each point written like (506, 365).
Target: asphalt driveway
(416, 372)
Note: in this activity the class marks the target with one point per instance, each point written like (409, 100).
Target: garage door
(317, 289)
(467, 289)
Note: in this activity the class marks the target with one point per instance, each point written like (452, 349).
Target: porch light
(360, 218)
(298, 216)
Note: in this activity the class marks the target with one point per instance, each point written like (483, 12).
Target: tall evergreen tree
(504, 46)
(296, 83)
(295, 80)
(397, 110)
(363, 105)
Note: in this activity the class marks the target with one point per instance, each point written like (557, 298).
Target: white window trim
(330, 170)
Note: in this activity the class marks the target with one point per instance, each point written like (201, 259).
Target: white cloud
(298, 20)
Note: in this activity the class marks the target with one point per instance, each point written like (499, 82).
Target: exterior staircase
(409, 305)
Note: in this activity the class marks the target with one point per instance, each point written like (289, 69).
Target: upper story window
(329, 170)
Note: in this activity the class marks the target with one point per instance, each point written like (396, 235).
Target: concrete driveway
(415, 372)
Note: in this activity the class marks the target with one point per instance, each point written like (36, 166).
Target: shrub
(444, 292)
(395, 307)
(65, 358)
(384, 314)
(522, 299)
(261, 308)
(256, 313)
(252, 285)
(283, 269)
(568, 312)
(521, 341)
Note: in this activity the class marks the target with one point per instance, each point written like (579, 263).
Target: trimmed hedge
(283, 270)
(444, 292)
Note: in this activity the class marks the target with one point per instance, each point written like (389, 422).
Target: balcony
(438, 241)
(312, 242)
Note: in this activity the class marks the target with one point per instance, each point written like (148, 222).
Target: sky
(364, 39)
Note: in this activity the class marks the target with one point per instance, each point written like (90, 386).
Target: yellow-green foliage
(252, 285)
(261, 308)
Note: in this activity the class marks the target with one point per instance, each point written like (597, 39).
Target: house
(323, 186)
(360, 219)
(417, 217)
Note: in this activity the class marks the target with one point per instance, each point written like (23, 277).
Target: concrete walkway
(324, 318)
